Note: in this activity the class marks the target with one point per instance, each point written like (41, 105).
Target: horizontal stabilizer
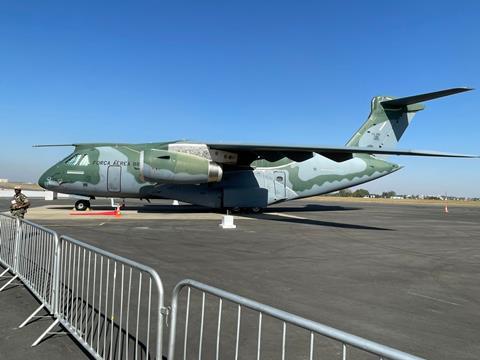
(409, 100)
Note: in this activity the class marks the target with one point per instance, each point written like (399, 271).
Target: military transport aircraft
(239, 176)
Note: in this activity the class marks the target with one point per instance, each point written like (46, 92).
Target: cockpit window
(78, 159)
(73, 160)
(84, 161)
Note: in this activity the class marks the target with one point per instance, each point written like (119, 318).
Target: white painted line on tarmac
(70, 226)
(434, 299)
(288, 216)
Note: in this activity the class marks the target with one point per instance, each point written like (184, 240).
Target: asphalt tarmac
(405, 276)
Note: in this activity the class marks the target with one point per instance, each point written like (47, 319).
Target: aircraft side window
(73, 160)
(85, 161)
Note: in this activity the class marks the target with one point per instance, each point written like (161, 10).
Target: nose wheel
(82, 205)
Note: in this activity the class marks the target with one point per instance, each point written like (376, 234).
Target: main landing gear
(250, 210)
(82, 205)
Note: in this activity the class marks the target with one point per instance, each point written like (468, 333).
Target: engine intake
(178, 168)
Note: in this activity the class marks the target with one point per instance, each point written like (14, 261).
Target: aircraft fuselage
(124, 171)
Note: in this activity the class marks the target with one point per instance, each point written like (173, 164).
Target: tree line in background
(363, 193)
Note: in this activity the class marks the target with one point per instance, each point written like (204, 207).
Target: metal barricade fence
(112, 305)
(223, 334)
(36, 261)
(8, 234)
(29, 251)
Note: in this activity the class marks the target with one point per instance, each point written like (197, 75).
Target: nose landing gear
(82, 205)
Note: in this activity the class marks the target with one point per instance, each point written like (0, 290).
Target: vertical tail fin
(390, 117)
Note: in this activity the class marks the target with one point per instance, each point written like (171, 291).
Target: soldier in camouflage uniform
(19, 204)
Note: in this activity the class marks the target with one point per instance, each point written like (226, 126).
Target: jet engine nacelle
(178, 168)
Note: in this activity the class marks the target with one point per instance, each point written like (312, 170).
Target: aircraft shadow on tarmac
(273, 217)
(269, 214)
(179, 209)
(147, 209)
(310, 207)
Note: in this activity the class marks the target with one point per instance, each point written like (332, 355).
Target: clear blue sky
(274, 72)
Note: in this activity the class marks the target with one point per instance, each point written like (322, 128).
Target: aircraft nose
(45, 180)
(42, 181)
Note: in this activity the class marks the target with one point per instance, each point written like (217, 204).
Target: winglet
(409, 100)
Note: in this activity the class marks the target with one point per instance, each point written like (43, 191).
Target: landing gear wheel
(246, 210)
(256, 210)
(82, 205)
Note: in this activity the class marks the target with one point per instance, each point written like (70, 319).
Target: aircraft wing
(250, 152)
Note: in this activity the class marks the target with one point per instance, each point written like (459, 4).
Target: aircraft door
(279, 182)
(114, 178)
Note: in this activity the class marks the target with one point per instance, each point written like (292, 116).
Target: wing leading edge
(246, 153)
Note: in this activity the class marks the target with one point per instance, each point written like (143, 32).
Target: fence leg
(3, 273)
(8, 283)
(31, 316)
(45, 332)
(56, 276)
(17, 245)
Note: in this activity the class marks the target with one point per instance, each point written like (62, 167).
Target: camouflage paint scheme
(227, 176)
